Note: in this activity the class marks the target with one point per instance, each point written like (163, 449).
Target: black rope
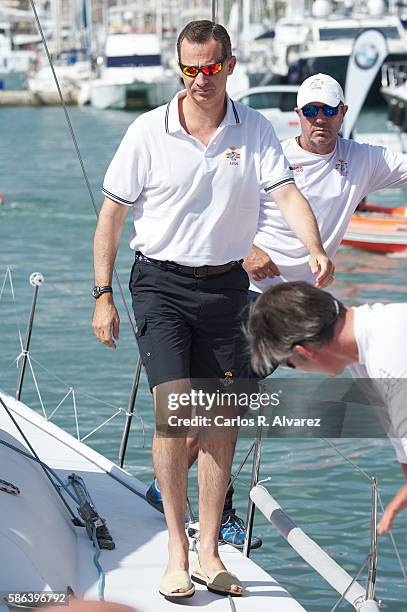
(42, 464)
(62, 484)
(74, 517)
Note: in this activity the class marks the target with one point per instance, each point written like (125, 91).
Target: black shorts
(189, 327)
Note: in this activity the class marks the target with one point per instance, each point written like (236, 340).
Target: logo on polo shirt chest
(342, 167)
(233, 156)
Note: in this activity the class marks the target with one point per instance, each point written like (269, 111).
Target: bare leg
(192, 446)
(214, 466)
(192, 450)
(170, 457)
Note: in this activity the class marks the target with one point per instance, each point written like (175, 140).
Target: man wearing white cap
(334, 175)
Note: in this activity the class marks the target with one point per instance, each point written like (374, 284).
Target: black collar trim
(235, 112)
(167, 112)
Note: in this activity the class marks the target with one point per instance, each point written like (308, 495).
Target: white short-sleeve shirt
(195, 204)
(381, 337)
(334, 184)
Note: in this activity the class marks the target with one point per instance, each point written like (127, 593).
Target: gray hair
(286, 315)
(203, 30)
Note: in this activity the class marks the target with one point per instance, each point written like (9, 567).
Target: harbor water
(46, 225)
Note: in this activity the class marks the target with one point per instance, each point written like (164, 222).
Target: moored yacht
(14, 64)
(394, 90)
(73, 71)
(324, 44)
(132, 75)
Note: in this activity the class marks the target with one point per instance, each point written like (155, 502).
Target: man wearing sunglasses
(192, 171)
(302, 327)
(334, 174)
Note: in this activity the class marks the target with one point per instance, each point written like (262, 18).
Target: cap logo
(316, 84)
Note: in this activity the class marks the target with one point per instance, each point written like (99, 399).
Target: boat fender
(309, 550)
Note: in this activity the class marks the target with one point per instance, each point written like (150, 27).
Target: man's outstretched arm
(300, 218)
(106, 321)
(397, 504)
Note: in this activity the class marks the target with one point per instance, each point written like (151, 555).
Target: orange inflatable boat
(378, 228)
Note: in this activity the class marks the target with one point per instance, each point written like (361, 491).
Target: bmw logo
(366, 56)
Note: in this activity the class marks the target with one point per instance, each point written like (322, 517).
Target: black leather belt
(197, 271)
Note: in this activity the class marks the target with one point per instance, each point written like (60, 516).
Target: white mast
(159, 19)
(246, 21)
(56, 18)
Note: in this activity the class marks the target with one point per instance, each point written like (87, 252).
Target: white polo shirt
(334, 184)
(381, 337)
(195, 204)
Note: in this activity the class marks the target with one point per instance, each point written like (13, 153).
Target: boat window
(285, 101)
(335, 33)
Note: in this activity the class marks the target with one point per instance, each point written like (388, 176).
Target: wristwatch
(97, 290)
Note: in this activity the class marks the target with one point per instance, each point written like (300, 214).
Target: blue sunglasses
(310, 111)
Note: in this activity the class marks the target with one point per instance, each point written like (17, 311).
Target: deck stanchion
(36, 280)
(130, 412)
(371, 579)
(190, 512)
(254, 480)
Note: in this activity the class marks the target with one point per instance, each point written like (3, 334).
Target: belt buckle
(200, 275)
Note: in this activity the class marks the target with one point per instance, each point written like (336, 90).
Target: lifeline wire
(393, 541)
(8, 274)
(359, 469)
(38, 459)
(362, 567)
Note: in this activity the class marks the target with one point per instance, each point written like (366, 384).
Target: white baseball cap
(320, 88)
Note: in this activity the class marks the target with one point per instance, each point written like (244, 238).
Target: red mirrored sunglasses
(208, 70)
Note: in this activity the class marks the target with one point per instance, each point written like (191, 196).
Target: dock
(29, 98)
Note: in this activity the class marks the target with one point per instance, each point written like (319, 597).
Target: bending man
(300, 326)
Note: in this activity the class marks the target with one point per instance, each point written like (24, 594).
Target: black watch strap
(98, 290)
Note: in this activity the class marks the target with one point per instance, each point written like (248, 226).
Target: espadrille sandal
(221, 582)
(170, 583)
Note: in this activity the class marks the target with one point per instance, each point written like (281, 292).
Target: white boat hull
(44, 551)
(104, 95)
(108, 95)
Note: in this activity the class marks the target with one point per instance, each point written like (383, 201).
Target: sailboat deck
(45, 551)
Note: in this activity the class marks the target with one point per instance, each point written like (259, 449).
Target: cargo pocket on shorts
(145, 342)
(141, 328)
